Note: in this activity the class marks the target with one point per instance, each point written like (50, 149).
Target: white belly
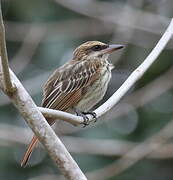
(96, 92)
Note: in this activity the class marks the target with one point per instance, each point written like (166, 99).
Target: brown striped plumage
(80, 83)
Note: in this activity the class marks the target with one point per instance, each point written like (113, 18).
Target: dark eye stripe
(99, 47)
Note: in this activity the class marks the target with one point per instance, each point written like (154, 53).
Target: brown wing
(64, 88)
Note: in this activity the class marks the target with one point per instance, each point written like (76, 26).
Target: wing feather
(64, 88)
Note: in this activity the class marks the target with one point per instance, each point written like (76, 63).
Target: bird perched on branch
(79, 84)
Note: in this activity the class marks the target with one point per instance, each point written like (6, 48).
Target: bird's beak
(111, 48)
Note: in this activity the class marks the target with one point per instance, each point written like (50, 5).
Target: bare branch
(9, 88)
(60, 115)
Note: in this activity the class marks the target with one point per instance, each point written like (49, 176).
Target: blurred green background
(42, 34)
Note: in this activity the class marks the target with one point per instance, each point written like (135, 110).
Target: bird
(78, 85)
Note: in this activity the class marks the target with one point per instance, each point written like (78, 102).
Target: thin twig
(9, 88)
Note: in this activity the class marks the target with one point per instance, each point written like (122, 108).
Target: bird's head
(94, 49)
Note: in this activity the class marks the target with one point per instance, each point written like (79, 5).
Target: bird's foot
(92, 113)
(86, 121)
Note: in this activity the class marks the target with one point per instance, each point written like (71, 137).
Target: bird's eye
(97, 48)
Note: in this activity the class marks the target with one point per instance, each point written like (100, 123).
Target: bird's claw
(92, 113)
(86, 121)
(85, 118)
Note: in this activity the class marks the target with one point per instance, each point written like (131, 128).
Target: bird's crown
(91, 50)
(86, 48)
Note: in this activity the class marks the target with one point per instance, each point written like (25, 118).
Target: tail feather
(29, 151)
(32, 145)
